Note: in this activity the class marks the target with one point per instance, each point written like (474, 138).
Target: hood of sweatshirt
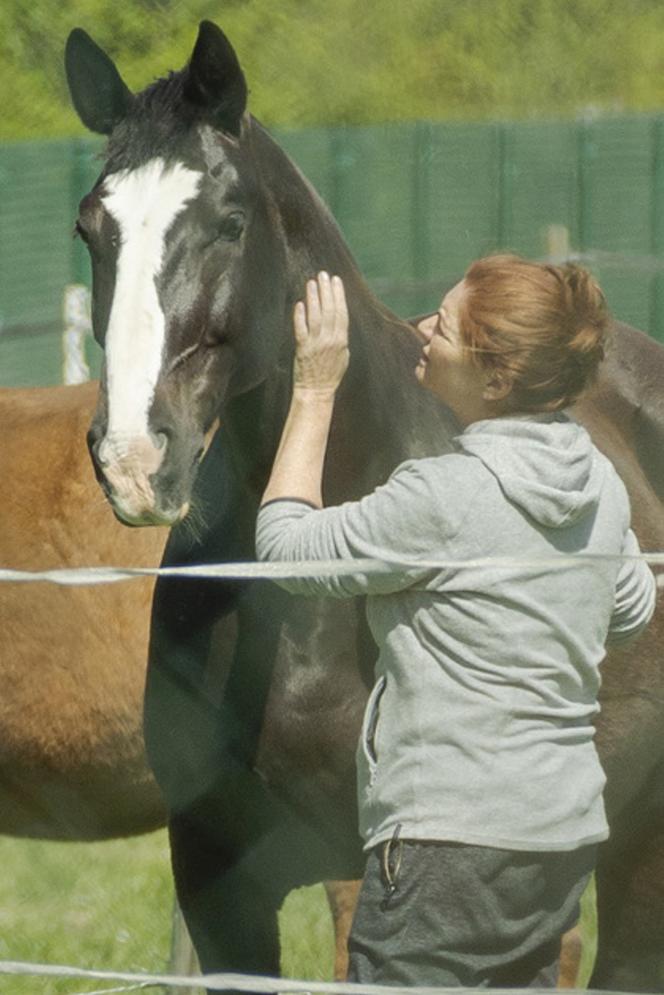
(545, 463)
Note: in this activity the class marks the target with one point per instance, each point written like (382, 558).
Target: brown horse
(72, 758)
(201, 234)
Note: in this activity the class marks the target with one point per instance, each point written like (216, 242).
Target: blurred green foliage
(332, 61)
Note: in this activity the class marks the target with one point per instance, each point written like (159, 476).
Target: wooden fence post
(557, 249)
(77, 328)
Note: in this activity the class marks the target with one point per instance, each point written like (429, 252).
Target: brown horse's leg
(342, 899)
(571, 950)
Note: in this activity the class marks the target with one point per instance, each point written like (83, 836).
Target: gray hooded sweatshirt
(479, 728)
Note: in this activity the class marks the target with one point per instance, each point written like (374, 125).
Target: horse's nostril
(160, 438)
(93, 439)
(101, 452)
(96, 446)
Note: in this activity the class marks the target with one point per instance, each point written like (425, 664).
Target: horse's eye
(231, 227)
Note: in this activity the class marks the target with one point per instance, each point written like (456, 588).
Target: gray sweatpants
(449, 914)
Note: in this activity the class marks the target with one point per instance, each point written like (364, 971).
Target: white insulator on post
(77, 327)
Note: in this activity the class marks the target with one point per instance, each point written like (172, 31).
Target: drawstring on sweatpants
(391, 865)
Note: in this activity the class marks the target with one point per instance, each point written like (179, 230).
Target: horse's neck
(382, 416)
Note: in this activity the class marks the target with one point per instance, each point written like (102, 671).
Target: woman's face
(446, 368)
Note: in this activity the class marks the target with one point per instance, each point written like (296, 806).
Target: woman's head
(539, 328)
(514, 336)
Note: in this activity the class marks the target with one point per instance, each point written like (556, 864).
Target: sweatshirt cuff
(290, 500)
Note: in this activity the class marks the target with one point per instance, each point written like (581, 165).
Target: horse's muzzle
(127, 469)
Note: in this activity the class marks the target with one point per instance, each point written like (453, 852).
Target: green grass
(109, 906)
(104, 905)
(588, 926)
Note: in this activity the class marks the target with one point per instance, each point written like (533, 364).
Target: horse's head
(180, 239)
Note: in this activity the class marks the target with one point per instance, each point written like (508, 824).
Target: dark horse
(201, 234)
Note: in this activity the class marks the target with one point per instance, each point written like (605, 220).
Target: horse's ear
(98, 92)
(215, 81)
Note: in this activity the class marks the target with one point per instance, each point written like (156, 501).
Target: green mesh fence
(417, 202)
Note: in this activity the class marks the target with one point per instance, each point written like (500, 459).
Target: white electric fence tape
(302, 570)
(251, 983)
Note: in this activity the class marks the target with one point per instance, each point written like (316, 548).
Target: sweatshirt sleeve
(392, 524)
(636, 593)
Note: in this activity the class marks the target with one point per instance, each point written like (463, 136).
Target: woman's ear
(498, 386)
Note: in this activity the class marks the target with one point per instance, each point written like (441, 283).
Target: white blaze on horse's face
(144, 203)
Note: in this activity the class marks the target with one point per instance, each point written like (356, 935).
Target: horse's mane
(304, 213)
(384, 350)
(159, 124)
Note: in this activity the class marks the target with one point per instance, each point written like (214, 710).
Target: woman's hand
(321, 358)
(321, 337)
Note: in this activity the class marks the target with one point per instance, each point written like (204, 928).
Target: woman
(480, 789)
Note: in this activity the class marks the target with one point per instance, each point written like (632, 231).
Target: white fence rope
(300, 570)
(251, 983)
(115, 991)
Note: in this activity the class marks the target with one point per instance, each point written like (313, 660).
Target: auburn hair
(543, 327)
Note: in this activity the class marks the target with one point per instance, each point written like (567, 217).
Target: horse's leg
(630, 913)
(342, 899)
(231, 911)
(230, 892)
(571, 950)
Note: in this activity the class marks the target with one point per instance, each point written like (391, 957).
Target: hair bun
(586, 296)
(586, 309)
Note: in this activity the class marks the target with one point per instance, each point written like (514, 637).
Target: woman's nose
(425, 329)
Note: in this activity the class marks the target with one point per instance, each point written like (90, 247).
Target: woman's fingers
(321, 335)
(324, 309)
(300, 323)
(327, 302)
(340, 306)
(313, 307)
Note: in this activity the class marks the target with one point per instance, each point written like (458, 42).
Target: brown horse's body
(72, 760)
